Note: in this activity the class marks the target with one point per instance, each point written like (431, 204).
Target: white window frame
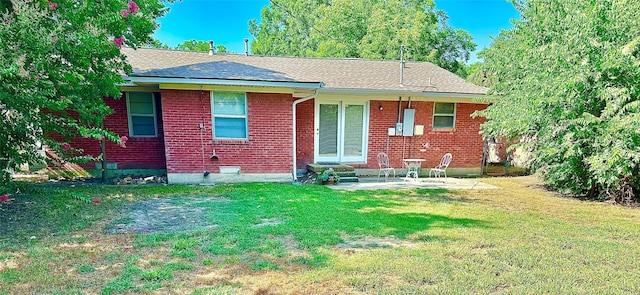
(455, 108)
(154, 115)
(214, 116)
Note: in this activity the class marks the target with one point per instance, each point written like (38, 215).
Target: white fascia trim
(401, 93)
(303, 85)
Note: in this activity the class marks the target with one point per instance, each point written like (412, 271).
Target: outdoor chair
(385, 168)
(442, 167)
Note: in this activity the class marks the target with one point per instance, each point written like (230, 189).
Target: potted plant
(330, 176)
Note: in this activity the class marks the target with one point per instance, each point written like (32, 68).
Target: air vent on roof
(401, 64)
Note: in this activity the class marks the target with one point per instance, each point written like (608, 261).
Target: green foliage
(361, 29)
(197, 45)
(59, 59)
(193, 45)
(330, 173)
(156, 44)
(569, 74)
(479, 74)
(221, 49)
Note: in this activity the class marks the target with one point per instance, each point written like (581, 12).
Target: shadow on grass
(314, 216)
(33, 216)
(318, 217)
(402, 225)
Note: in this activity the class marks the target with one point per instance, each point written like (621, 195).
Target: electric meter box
(398, 128)
(409, 118)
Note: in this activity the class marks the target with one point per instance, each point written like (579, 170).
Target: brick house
(262, 118)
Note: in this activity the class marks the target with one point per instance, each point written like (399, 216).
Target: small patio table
(413, 166)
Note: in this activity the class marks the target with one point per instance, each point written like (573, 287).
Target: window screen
(229, 110)
(142, 114)
(444, 115)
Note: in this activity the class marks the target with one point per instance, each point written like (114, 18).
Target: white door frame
(340, 157)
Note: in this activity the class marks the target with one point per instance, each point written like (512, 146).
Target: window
(229, 112)
(141, 109)
(444, 115)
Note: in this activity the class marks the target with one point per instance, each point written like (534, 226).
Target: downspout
(293, 149)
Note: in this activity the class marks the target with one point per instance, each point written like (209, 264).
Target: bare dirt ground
(164, 216)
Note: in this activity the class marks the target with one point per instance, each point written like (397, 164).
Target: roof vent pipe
(401, 64)
(211, 47)
(246, 46)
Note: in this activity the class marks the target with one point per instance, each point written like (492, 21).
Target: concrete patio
(372, 183)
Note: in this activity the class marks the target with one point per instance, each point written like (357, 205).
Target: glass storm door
(340, 132)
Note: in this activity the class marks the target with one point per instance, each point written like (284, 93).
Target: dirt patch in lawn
(161, 215)
(268, 222)
(376, 242)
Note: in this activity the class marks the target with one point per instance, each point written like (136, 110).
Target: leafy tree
(155, 43)
(59, 59)
(193, 45)
(479, 74)
(568, 86)
(285, 28)
(221, 49)
(202, 46)
(372, 29)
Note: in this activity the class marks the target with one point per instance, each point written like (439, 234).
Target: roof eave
(133, 80)
(403, 92)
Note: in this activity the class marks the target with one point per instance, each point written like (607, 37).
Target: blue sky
(226, 21)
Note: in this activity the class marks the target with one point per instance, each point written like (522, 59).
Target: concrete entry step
(348, 178)
(321, 167)
(346, 172)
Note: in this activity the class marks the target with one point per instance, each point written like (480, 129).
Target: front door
(340, 135)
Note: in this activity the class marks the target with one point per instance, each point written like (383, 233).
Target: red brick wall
(305, 133)
(268, 149)
(463, 142)
(139, 153)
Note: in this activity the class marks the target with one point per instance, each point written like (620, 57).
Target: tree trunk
(103, 149)
(592, 190)
(5, 176)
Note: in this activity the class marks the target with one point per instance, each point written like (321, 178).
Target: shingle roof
(353, 74)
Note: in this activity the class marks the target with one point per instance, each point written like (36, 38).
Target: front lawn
(290, 239)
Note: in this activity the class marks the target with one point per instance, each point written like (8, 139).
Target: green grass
(280, 238)
(83, 269)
